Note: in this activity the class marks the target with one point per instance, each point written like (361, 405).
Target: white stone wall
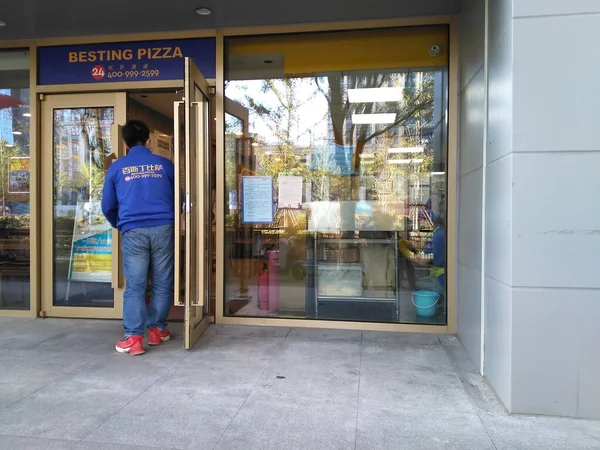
(556, 208)
(529, 190)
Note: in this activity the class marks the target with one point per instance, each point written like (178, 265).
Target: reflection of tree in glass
(279, 103)
(18, 148)
(82, 139)
(233, 129)
(7, 152)
(411, 114)
(282, 117)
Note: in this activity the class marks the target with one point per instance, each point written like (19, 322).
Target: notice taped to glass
(18, 175)
(257, 200)
(290, 192)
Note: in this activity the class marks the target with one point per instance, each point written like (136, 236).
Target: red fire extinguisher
(263, 288)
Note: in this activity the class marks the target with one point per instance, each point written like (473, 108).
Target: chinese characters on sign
(143, 171)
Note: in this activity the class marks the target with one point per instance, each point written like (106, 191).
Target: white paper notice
(290, 193)
(257, 200)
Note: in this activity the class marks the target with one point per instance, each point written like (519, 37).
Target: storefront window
(336, 185)
(14, 180)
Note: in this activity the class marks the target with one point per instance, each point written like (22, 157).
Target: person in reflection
(436, 281)
(138, 199)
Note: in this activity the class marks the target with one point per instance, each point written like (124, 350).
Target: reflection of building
(82, 137)
(14, 121)
(20, 115)
(6, 121)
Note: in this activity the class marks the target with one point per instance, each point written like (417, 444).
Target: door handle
(198, 299)
(179, 217)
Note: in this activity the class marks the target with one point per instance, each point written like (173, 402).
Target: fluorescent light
(370, 119)
(26, 114)
(10, 145)
(375, 95)
(17, 133)
(406, 150)
(438, 173)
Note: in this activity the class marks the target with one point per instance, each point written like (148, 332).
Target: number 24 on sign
(98, 72)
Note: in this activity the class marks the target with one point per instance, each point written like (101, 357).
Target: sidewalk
(63, 386)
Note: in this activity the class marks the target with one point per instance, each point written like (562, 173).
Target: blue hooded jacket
(138, 191)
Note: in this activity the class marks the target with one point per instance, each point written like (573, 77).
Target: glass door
(192, 194)
(80, 139)
(242, 264)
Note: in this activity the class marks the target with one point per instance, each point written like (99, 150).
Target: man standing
(138, 199)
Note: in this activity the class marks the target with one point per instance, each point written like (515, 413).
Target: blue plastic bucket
(425, 302)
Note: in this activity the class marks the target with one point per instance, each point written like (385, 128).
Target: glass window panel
(14, 180)
(357, 162)
(82, 236)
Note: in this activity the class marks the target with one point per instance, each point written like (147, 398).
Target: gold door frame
(198, 251)
(452, 193)
(118, 101)
(453, 124)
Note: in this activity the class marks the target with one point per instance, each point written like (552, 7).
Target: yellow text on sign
(125, 55)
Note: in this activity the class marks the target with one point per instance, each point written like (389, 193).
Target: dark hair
(135, 132)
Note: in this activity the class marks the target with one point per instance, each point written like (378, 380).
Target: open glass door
(192, 193)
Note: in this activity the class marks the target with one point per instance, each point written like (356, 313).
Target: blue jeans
(145, 248)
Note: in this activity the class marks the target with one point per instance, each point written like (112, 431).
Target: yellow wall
(306, 54)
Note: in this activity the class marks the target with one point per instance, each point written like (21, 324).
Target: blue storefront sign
(124, 61)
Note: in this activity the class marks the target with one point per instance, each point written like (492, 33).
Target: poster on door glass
(18, 175)
(91, 250)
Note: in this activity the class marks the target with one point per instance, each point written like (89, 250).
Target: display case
(360, 269)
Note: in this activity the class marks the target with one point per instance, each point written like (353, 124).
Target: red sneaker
(133, 345)
(157, 337)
